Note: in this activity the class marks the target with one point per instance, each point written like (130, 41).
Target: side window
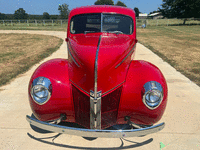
(78, 24)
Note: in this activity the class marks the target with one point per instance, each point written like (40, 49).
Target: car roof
(102, 9)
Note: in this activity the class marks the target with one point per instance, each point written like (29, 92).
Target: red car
(99, 87)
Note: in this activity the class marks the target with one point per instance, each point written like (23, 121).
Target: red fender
(131, 103)
(61, 102)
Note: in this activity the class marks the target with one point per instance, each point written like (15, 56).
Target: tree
(54, 17)
(2, 16)
(136, 12)
(153, 12)
(181, 9)
(64, 11)
(46, 15)
(119, 3)
(104, 2)
(20, 14)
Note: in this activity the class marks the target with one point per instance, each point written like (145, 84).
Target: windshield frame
(101, 25)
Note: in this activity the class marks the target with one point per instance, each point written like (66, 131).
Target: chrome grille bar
(95, 97)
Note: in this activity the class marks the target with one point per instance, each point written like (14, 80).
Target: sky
(37, 7)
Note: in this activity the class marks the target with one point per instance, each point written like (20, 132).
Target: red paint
(121, 86)
(131, 103)
(56, 71)
(83, 48)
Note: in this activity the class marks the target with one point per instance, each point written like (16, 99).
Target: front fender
(131, 103)
(56, 71)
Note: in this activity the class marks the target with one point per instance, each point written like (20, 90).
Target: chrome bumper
(93, 132)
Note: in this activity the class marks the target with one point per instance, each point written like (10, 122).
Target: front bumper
(94, 133)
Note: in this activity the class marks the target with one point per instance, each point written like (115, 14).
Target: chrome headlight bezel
(153, 94)
(41, 90)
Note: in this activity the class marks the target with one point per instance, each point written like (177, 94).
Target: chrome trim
(125, 57)
(95, 97)
(79, 87)
(57, 121)
(113, 88)
(95, 133)
(46, 84)
(101, 22)
(148, 87)
(71, 55)
(135, 125)
(96, 68)
(95, 110)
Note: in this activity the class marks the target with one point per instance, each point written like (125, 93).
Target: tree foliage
(181, 8)
(136, 12)
(54, 16)
(2, 16)
(153, 12)
(104, 2)
(20, 14)
(46, 15)
(119, 3)
(64, 11)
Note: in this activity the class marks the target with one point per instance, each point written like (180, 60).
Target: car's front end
(99, 86)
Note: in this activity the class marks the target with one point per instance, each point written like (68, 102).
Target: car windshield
(111, 23)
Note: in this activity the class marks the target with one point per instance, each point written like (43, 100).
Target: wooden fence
(167, 22)
(33, 22)
(139, 23)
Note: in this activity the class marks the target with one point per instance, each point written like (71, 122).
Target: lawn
(25, 27)
(18, 52)
(33, 26)
(178, 45)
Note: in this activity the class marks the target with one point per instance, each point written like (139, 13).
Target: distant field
(34, 25)
(18, 52)
(178, 45)
(167, 22)
(46, 28)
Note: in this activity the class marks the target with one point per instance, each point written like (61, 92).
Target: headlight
(41, 90)
(153, 94)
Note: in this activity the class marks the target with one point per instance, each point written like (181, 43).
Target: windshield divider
(101, 22)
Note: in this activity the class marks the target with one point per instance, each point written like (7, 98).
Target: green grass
(33, 26)
(171, 22)
(17, 56)
(178, 45)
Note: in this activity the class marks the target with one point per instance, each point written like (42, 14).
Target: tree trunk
(184, 21)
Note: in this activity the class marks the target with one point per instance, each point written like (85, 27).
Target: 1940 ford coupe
(99, 87)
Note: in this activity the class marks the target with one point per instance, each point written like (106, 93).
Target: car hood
(112, 50)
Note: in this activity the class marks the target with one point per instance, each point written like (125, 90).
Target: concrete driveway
(182, 115)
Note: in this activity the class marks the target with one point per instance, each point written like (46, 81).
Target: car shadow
(44, 140)
(135, 145)
(39, 130)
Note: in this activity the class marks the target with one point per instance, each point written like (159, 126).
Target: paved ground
(182, 117)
